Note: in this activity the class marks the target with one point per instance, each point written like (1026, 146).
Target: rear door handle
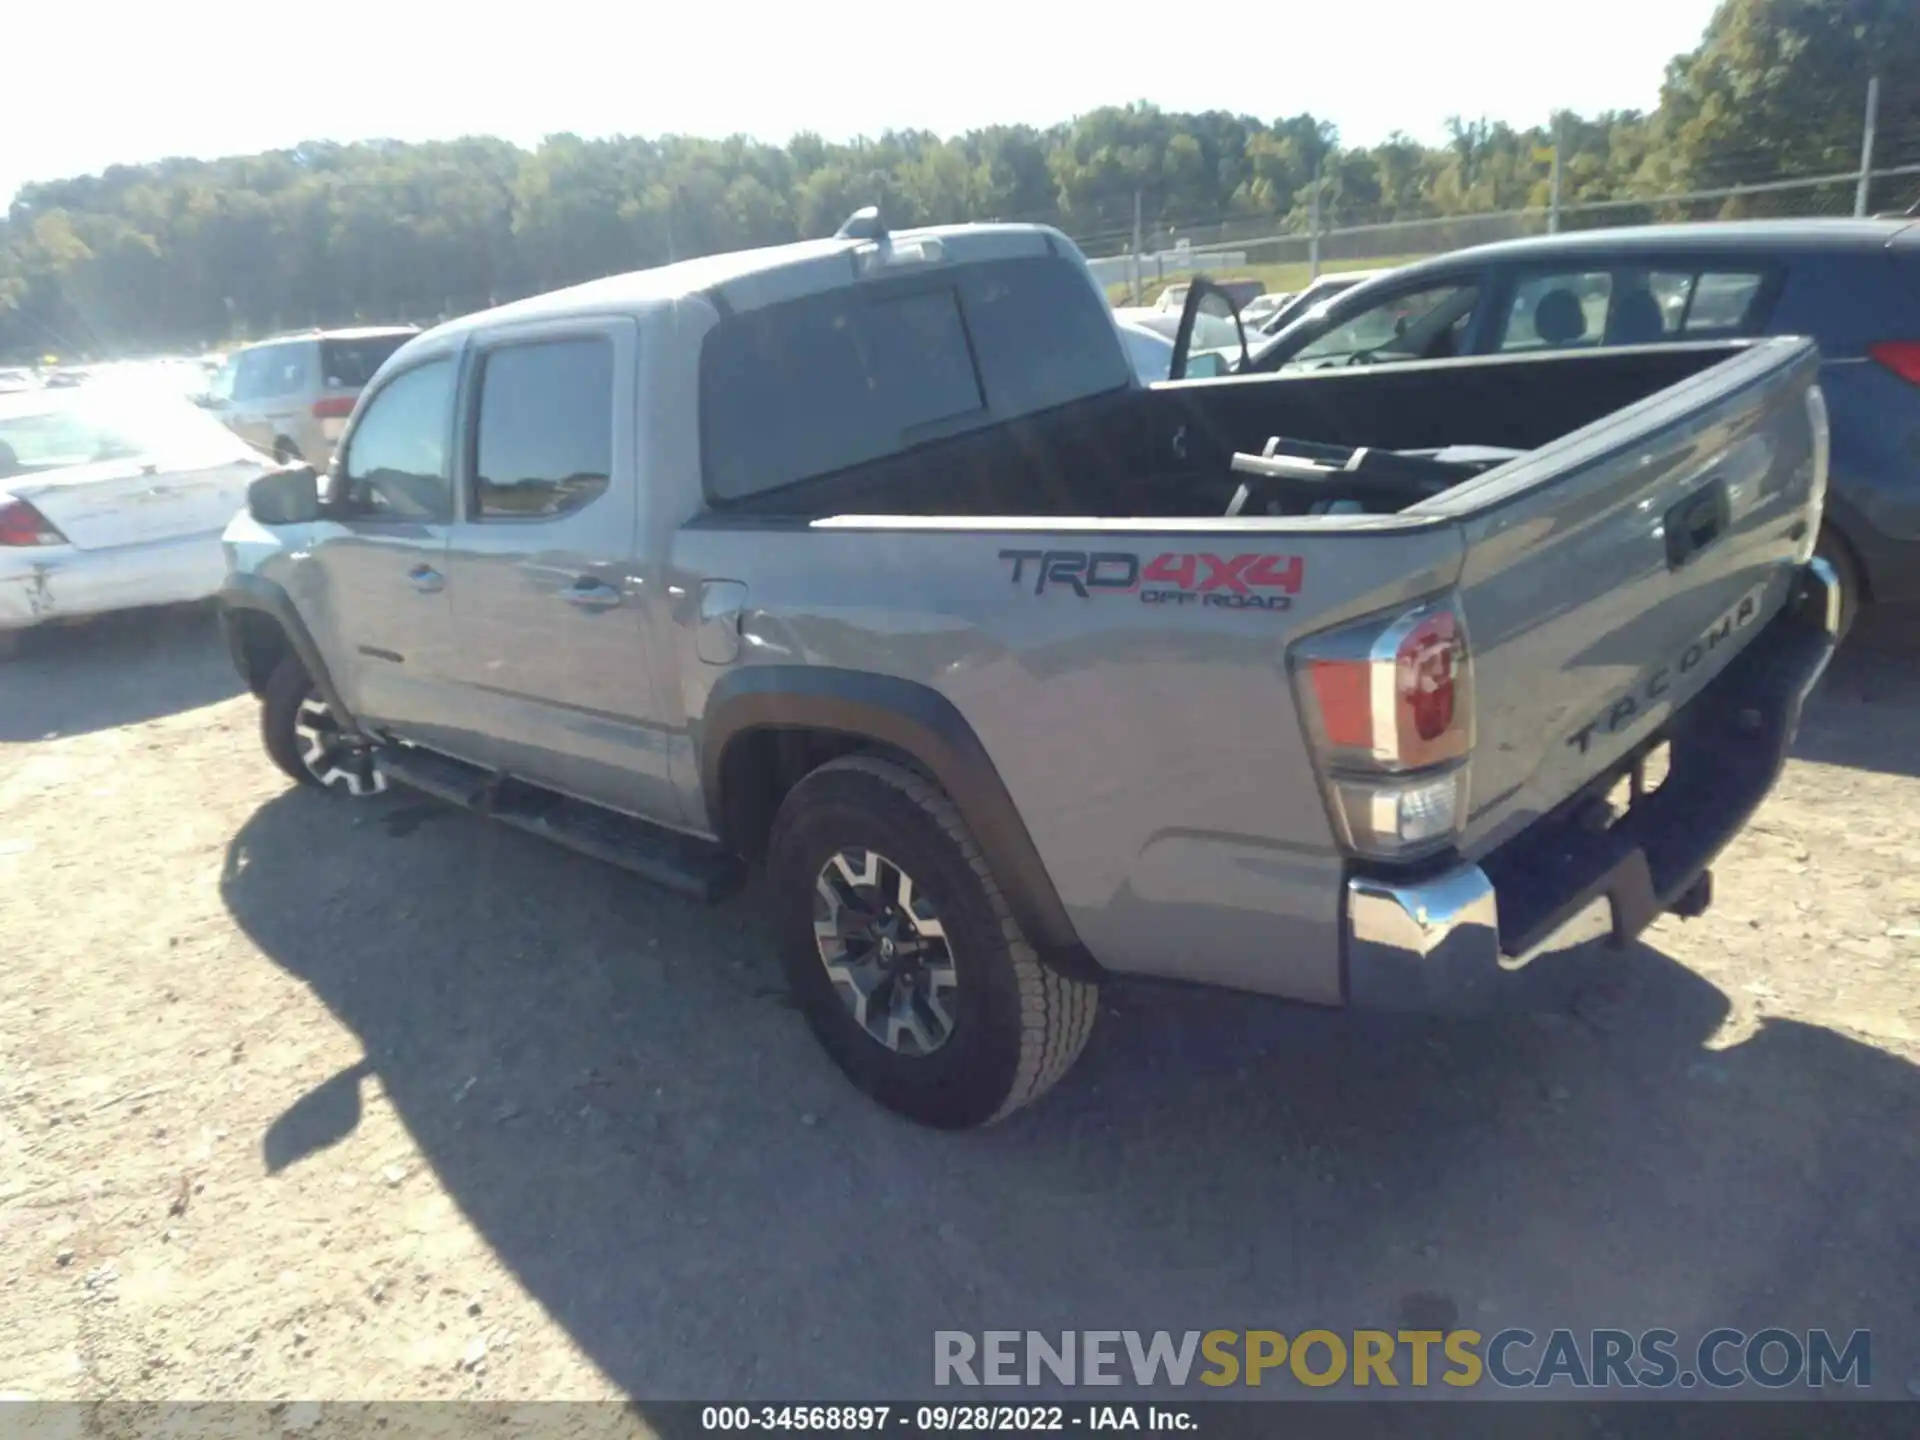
(587, 593)
(426, 579)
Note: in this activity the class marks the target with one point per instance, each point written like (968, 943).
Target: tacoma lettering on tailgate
(1636, 702)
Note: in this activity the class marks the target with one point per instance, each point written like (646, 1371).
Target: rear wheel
(1836, 552)
(903, 955)
(308, 741)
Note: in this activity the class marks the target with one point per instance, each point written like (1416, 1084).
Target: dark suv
(1852, 285)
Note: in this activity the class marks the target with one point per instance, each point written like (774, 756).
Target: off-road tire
(1018, 1026)
(286, 691)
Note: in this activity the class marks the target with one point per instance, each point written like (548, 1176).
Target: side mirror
(1206, 365)
(287, 496)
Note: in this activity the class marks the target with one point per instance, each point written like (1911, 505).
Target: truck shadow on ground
(610, 1084)
(1866, 713)
(114, 670)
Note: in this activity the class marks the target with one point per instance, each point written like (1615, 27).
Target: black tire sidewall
(967, 1080)
(280, 702)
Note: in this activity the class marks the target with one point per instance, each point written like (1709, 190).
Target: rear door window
(545, 444)
(1722, 302)
(1556, 310)
(250, 375)
(281, 370)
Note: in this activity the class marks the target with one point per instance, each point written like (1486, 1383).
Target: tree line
(190, 253)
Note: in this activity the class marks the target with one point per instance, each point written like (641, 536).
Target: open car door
(1211, 340)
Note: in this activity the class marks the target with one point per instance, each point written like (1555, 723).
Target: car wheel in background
(307, 741)
(286, 452)
(903, 956)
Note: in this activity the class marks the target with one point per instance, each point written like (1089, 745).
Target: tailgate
(1611, 575)
(120, 502)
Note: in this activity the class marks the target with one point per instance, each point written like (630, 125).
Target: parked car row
(111, 496)
(114, 487)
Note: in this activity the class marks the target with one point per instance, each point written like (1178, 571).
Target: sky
(127, 81)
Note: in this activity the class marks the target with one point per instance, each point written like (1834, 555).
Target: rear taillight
(1900, 356)
(1388, 704)
(334, 407)
(21, 524)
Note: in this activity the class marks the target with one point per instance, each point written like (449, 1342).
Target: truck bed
(1167, 451)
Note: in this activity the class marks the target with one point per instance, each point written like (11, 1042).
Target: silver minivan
(291, 396)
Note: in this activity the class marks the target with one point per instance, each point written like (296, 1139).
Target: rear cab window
(800, 389)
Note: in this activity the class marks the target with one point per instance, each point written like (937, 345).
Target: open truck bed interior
(1170, 451)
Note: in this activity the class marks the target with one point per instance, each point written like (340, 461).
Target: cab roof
(748, 279)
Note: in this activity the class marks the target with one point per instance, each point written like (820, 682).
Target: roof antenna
(863, 224)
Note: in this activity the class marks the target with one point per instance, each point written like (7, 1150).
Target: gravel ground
(303, 1099)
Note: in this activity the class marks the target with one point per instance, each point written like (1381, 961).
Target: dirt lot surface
(306, 1099)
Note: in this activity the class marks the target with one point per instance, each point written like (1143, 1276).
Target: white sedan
(112, 498)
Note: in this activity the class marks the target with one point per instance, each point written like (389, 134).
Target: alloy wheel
(885, 950)
(332, 757)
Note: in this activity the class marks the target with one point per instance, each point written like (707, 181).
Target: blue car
(1852, 285)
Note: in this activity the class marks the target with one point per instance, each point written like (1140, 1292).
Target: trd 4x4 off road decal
(1228, 582)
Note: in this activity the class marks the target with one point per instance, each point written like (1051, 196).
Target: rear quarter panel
(1153, 750)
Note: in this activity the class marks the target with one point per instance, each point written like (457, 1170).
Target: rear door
(1610, 575)
(549, 604)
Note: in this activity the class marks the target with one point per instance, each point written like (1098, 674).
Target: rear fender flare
(922, 724)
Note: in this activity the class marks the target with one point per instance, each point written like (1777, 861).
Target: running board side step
(678, 862)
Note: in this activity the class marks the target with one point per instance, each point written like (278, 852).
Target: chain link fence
(1287, 253)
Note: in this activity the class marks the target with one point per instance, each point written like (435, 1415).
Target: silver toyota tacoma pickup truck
(869, 560)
